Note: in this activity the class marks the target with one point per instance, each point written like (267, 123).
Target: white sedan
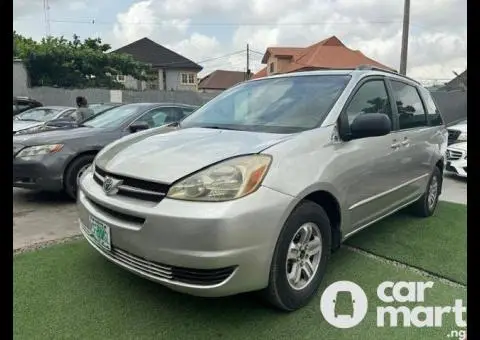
(457, 159)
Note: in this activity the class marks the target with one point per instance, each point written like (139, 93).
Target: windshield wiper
(217, 127)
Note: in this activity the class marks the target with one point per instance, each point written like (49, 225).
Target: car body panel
(179, 148)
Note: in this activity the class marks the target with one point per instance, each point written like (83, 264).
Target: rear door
(414, 135)
(369, 165)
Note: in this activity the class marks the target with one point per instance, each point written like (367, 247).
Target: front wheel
(300, 257)
(74, 171)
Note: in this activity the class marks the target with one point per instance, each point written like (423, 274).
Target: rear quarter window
(433, 113)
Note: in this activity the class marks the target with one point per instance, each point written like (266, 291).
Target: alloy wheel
(303, 256)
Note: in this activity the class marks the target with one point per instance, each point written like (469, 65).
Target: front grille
(453, 155)
(117, 214)
(201, 277)
(134, 188)
(453, 136)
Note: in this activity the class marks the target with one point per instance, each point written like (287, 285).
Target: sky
(216, 33)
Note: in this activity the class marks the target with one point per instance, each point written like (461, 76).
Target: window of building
(188, 78)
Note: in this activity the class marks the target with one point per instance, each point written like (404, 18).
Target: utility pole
(406, 26)
(247, 75)
(46, 9)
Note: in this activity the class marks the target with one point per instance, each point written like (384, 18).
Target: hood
(55, 136)
(459, 127)
(166, 157)
(458, 146)
(19, 125)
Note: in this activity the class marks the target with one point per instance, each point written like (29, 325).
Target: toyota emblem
(110, 185)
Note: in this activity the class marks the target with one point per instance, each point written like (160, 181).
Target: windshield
(40, 114)
(277, 105)
(115, 117)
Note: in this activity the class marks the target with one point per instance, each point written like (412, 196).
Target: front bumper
(203, 249)
(457, 167)
(41, 173)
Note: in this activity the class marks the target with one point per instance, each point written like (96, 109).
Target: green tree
(59, 62)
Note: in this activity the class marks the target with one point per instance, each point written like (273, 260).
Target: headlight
(39, 150)
(462, 137)
(228, 180)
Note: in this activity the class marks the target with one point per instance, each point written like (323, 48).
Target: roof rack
(375, 68)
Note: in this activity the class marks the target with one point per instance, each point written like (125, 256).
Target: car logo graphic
(344, 304)
(110, 185)
(344, 299)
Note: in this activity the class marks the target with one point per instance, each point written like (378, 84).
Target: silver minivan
(254, 190)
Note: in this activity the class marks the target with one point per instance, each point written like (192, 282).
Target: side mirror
(370, 125)
(138, 126)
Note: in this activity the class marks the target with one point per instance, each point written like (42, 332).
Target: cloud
(206, 29)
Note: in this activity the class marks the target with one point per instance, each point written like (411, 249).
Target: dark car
(55, 160)
(21, 104)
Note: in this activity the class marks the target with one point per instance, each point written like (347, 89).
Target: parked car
(54, 160)
(32, 120)
(457, 159)
(70, 122)
(457, 133)
(257, 187)
(21, 104)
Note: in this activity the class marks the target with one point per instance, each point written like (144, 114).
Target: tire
(280, 292)
(425, 206)
(72, 172)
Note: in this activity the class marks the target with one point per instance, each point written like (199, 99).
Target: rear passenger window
(411, 113)
(372, 97)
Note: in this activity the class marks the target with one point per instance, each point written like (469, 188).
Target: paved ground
(42, 217)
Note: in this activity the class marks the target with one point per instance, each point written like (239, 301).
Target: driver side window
(371, 97)
(162, 115)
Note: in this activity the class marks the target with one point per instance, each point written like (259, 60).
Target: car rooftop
(358, 72)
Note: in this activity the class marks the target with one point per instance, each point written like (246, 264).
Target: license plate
(100, 233)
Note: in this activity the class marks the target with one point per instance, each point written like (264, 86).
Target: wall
(57, 96)
(452, 105)
(20, 79)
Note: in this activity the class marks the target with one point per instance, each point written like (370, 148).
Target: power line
(163, 22)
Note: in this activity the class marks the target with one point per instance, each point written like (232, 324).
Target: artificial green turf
(70, 292)
(437, 244)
